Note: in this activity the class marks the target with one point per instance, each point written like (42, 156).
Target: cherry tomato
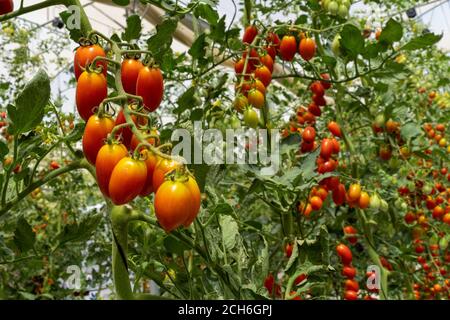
(354, 192)
(273, 44)
(256, 98)
(127, 180)
(267, 60)
(251, 118)
(349, 230)
(314, 109)
(240, 103)
(129, 73)
(307, 48)
(173, 204)
(288, 48)
(326, 148)
(351, 284)
(309, 134)
(91, 91)
(316, 203)
(351, 295)
(250, 34)
(344, 253)
(150, 87)
(196, 200)
(95, 133)
(125, 134)
(258, 85)
(107, 158)
(288, 250)
(264, 74)
(54, 165)
(334, 129)
(317, 88)
(163, 167)
(349, 272)
(364, 200)
(85, 55)
(319, 100)
(326, 84)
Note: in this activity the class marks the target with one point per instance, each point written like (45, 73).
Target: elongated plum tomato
(267, 60)
(334, 129)
(288, 48)
(196, 200)
(129, 73)
(309, 134)
(173, 204)
(249, 34)
(163, 167)
(6, 6)
(326, 148)
(264, 74)
(344, 253)
(273, 44)
(85, 55)
(307, 48)
(150, 161)
(91, 90)
(354, 192)
(150, 86)
(96, 131)
(127, 180)
(107, 158)
(256, 98)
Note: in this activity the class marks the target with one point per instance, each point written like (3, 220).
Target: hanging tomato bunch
(125, 150)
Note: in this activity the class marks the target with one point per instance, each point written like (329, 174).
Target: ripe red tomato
(326, 84)
(317, 88)
(344, 253)
(250, 34)
(173, 204)
(334, 129)
(196, 200)
(129, 73)
(127, 180)
(256, 98)
(319, 100)
(54, 165)
(163, 166)
(316, 203)
(125, 133)
(339, 195)
(264, 74)
(326, 148)
(351, 295)
(273, 44)
(91, 90)
(288, 48)
(258, 85)
(309, 134)
(85, 55)
(239, 66)
(95, 133)
(150, 161)
(107, 158)
(364, 200)
(349, 272)
(151, 140)
(6, 6)
(352, 285)
(349, 230)
(385, 152)
(150, 86)
(300, 279)
(271, 286)
(314, 109)
(307, 48)
(288, 249)
(267, 60)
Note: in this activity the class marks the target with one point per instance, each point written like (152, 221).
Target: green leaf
(352, 41)
(80, 231)
(160, 42)
(410, 130)
(206, 12)
(200, 173)
(133, 29)
(186, 100)
(76, 133)
(24, 236)
(218, 31)
(173, 245)
(392, 32)
(30, 104)
(309, 165)
(422, 42)
(3, 149)
(68, 18)
(198, 51)
(229, 231)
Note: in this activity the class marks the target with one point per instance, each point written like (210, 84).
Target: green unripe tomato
(427, 189)
(375, 202)
(384, 205)
(235, 122)
(333, 8)
(443, 243)
(346, 3)
(380, 120)
(251, 118)
(336, 45)
(325, 4)
(342, 11)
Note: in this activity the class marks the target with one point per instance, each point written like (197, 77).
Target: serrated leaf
(422, 42)
(229, 231)
(392, 32)
(24, 236)
(173, 245)
(80, 231)
(133, 29)
(30, 103)
(198, 50)
(410, 130)
(352, 41)
(206, 12)
(161, 41)
(309, 165)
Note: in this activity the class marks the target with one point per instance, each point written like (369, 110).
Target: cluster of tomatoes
(348, 271)
(391, 129)
(127, 163)
(337, 7)
(436, 134)
(254, 74)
